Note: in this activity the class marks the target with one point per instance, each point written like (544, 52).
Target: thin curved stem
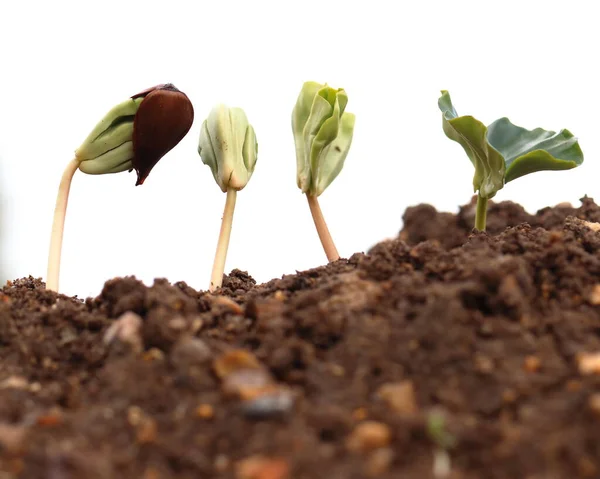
(481, 213)
(324, 234)
(216, 279)
(58, 226)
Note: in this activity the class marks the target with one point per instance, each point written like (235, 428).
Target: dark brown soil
(440, 354)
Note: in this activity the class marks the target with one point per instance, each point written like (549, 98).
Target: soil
(444, 353)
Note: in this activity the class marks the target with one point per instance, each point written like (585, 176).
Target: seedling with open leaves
(503, 152)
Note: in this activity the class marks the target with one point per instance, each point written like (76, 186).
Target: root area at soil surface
(443, 353)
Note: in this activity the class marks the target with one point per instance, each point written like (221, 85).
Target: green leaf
(471, 135)
(334, 154)
(322, 134)
(115, 129)
(300, 115)
(228, 146)
(503, 152)
(527, 151)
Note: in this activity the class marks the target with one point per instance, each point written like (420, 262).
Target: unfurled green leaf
(503, 152)
(528, 151)
(323, 134)
(471, 134)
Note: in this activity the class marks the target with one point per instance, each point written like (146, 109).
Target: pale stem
(216, 279)
(322, 230)
(481, 213)
(58, 226)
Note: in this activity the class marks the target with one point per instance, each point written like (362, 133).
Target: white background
(63, 65)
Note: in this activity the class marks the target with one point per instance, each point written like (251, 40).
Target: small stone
(178, 323)
(12, 439)
(52, 418)
(400, 397)
(589, 363)
(147, 431)
(134, 415)
(594, 296)
(14, 382)
(246, 383)
(368, 436)
(265, 310)
(483, 364)
(259, 467)
(276, 402)
(190, 351)
(379, 462)
(126, 330)
(234, 360)
(532, 364)
(509, 396)
(205, 411)
(592, 226)
(279, 295)
(228, 304)
(153, 354)
(221, 463)
(337, 370)
(35, 387)
(360, 414)
(594, 404)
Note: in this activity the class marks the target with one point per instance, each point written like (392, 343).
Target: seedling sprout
(323, 135)
(503, 152)
(135, 134)
(228, 146)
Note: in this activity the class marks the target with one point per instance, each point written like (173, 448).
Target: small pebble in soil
(153, 354)
(234, 360)
(14, 382)
(594, 404)
(532, 364)
(246, 383)
(259, 467)
(205, 411)
(243, 376)
(589, 363)
(269, 404)
(592, 226)
(12, 439)
(400, 397)
(146, 429)
(127, 331)
(228, 304)
(379, 462)
(594, 296)
(368, 436)
(52, 418)
(189, 351)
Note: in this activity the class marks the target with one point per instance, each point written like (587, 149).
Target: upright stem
(481, 214)
(322, 230)
(216, 279)
(58, 226)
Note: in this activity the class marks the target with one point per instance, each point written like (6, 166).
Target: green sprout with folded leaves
(134, 135)
(323, 135)
(503, 152)
(228, 146)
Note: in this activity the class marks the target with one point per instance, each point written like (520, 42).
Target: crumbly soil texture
(443, 353)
